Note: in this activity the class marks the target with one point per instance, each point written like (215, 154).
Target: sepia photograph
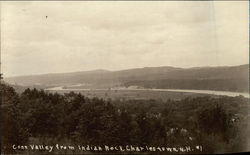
(124, 77)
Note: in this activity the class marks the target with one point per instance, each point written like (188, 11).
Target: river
(211, 92)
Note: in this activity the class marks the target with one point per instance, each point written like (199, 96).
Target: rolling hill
(230, 78)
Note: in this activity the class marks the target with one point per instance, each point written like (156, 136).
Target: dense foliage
(36, 116)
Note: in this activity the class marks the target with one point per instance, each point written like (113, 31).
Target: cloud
(42, 37)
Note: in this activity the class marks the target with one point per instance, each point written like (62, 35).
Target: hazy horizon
(61, 37)
(118, 70)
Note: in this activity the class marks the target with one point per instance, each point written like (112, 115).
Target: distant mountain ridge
(163, 76)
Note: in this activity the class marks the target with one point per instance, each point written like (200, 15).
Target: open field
(133, 94)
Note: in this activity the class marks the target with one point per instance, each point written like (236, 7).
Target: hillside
(233, 78)
(209, 78)
(90, 77)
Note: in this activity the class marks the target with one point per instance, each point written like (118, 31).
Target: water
(211, 92)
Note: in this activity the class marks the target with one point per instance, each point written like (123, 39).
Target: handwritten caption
(127, 148)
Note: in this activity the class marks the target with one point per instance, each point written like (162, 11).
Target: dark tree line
(218, 124)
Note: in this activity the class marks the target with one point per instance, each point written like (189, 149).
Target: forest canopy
(219, 125)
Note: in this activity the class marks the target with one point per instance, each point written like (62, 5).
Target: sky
(63, 36)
